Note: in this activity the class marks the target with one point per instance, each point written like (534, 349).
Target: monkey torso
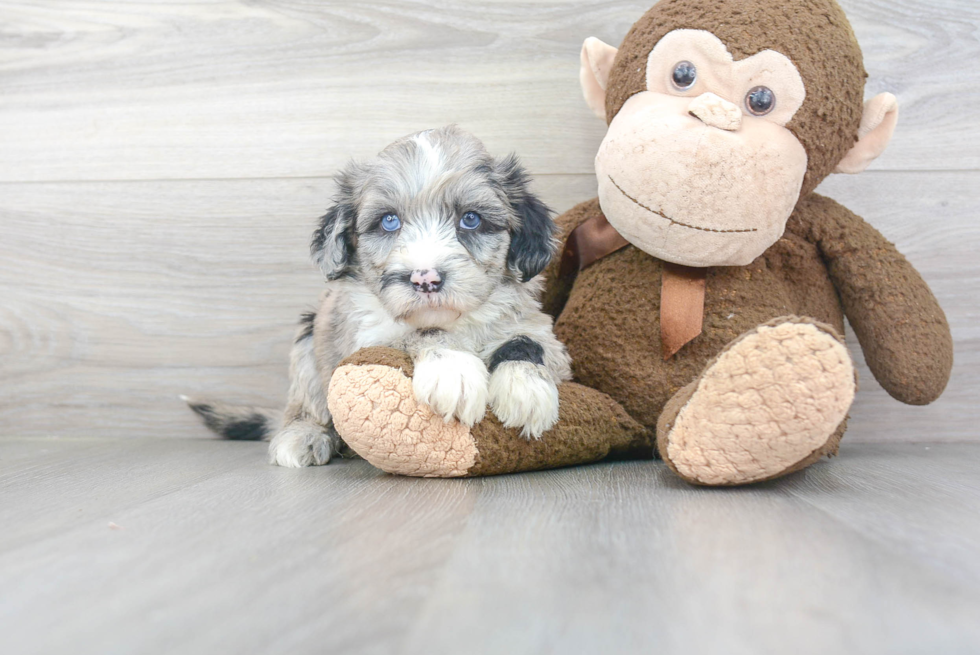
(611, 320)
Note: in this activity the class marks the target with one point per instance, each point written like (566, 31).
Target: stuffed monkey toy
(702, 295)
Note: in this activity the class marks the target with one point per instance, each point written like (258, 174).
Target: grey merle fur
(489, 295)
(532, 243)
(306, 325)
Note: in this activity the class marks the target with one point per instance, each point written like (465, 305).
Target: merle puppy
(432, 248)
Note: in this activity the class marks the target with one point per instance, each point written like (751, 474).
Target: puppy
(432, 248)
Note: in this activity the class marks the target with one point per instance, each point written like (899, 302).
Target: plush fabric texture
(877, 127)
(898, 321)
(714, 111)
(814, 34)
(688, 191)
(724, 75)
(382, 357)
(591, 426)
(764, 389)
(769, 400)
(561, 278)
(828, 261)
(596, 59)
(681, 306)
(375, 410)
(611, 319)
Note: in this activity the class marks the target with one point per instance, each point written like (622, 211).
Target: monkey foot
(774, 401)
(374, 410)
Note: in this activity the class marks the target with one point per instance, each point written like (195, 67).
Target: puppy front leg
(452, 382)
(303, 443)
(522, 392)
(307, 437)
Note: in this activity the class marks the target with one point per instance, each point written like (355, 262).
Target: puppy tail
(236, 422)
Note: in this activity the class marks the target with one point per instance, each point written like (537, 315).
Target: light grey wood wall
(162, 165)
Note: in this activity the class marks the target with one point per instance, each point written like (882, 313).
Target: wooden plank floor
(196, 546)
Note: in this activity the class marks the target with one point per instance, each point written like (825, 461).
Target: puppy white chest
(371, 324)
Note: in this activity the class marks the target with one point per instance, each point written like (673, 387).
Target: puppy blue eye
(470, 221)
(390, 223)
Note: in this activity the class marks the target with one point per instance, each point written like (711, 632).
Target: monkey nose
(715, 111)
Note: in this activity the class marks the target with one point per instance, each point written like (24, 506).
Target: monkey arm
(558, 287)
(900, 325)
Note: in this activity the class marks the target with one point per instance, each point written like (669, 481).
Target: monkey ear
(532, 241)
(877, 126)
(597, 60)
(335, 238)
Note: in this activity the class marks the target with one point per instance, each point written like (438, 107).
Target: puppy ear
(532, 241)
(335, 238)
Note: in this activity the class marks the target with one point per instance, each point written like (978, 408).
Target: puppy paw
(523, 395)
(453, 384)
(301, 444)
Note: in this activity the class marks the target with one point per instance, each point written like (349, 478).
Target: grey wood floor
(195, 546)
(161, 168)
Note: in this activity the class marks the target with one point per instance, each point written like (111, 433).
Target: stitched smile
(661, 215)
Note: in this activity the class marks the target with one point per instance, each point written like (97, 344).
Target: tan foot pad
(374, 409)
(769, 403)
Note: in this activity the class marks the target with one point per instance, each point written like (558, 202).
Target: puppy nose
(715, 111)
(427, 281)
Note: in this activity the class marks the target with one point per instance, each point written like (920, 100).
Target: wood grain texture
(162, 165)
(161, 168)
(120, 296)
(191, 546)
(117, 297)
(175, 90)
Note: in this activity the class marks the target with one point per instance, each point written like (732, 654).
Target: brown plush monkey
(702, 295)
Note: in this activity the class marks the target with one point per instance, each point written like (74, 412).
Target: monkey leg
(774, 401)
(375, 411)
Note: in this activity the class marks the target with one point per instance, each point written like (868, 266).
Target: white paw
(301, 444)
(453, 384)
(523, 395)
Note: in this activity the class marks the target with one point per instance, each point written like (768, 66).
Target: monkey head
(722, 115)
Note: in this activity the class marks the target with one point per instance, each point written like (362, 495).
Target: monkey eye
(390, 222)
(684, 75)
(760, 100)
(470, 221)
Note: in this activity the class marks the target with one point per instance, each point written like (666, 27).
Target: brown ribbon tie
(588, 243)
(681, 306)
(682, 287)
